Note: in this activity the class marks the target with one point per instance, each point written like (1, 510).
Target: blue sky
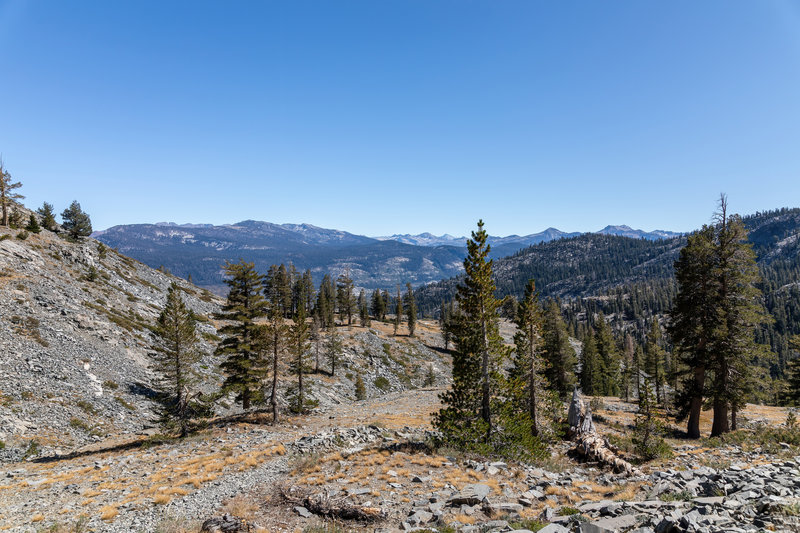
(381, 117)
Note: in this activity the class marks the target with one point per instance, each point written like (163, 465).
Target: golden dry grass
(108, 513)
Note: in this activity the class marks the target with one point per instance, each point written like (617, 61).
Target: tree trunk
(693, 427)
(720, 424)
(532, 385)
(485, 408)
(246, 399)
(734, 412)
(273, 400)
(300, 382)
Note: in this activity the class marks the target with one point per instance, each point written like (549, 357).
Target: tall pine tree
(243, 368)
(175, 352)
(467, 415)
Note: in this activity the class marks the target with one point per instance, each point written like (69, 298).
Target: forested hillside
(632, 280)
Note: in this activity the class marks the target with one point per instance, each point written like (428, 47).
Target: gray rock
(470, 495)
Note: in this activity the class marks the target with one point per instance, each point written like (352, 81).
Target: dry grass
(241, 506)
(108, 513)
(37, 518)
(161, 499)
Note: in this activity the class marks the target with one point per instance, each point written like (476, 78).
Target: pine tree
(386, 301)
(333, 348)
(243, 368)
(176, 351)
(363, 310)
(467, 415)
(628, 355)
(608, 357)
(714, 318)
(411, 310)
(273, 336)
(741, 312)
(792, 394)
(377, 305)
(398, 311)
(8, 198)
(558, 352)
(15, 219)
(48, 216)
(692, 323)
(526, 375)
(654, 359)
(647, 430)
(326, 302)
(430, 376)
(315, 335)
(591, 376)
(344, 297)
(75, 221)
(299, 346)
(33, 225)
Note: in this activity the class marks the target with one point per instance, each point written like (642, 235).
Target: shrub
(23, 235)
(112, 385)
(382, 383)
(77, 423)
(86, 406)
(120, 400)
(648, 441)
(361, 391)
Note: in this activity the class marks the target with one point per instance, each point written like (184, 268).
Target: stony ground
(358, 455)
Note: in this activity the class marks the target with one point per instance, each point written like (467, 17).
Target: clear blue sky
(387, 116)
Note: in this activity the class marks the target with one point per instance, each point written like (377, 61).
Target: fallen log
(327, 507)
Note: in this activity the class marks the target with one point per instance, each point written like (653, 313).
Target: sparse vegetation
(382, 383)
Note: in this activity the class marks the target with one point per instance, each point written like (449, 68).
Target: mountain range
(200, 250)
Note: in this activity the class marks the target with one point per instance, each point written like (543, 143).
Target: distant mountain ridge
(428, 239)
(200, 250)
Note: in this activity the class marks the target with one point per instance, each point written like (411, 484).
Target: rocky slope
(74, 340)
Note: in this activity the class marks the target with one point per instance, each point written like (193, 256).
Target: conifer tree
(608, 357)
(386, 301)
(558, 352)
(398, 311)
(411, 310)
(8, 198)
(591, 376)
(526, 379)
(15, 219)
(692, 323)
(48, 216)
(714, 318)
(628, 355)
(377, 305)
(430, 376)
(326, 302)
(315, 335)
(176, 351)
(345, 298)
(243, 368)
(740, 311)
(299, 347)
(333, 347)
(467, 414)
(363, 310)
(33, 225)
(654, 359)
(792, 395)
(75, 221)
(273, 336)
